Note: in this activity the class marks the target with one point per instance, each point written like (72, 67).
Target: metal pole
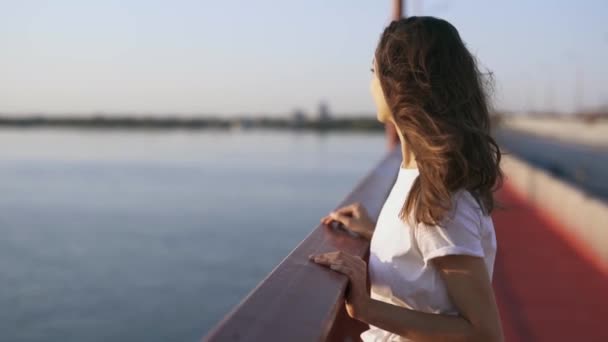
(390, 131)
(397, 9)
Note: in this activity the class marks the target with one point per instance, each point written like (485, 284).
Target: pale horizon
(248, 58)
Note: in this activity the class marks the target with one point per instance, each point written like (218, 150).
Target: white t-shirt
(400, 271)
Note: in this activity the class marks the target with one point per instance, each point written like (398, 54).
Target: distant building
(298, 118)
(243, 122)
(324, 114)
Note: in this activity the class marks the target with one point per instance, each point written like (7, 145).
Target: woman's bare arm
(469, 287)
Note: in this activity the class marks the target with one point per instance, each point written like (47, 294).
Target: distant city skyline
(232, 58)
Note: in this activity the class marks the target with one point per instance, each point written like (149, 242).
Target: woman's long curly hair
(437, 97)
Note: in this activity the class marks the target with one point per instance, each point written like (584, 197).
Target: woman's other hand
(355, 269)
(353, 217)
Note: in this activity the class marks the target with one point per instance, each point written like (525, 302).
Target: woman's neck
(409, 160)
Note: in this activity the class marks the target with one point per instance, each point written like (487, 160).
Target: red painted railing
(300, 301)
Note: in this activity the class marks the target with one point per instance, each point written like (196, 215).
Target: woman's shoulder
(466, 207)
(461, 231)
(464, 201)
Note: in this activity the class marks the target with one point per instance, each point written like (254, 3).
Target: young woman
(432, 250)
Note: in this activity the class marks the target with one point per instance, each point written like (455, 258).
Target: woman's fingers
(338, 261)
(355, 209)
(345, 220)
(348, 210)
(325, 257)
(331, 257)
(320, 259)
(336, 217)
(326, 220)
(344, 214)
(342, 268)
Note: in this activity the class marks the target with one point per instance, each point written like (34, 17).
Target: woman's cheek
(383, 113)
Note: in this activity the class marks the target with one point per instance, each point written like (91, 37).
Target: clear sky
(270, 56)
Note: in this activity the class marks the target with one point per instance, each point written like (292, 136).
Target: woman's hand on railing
(353, 217)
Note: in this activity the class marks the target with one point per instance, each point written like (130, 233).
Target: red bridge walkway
(548, 286)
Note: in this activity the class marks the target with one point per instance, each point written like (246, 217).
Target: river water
(154, 236)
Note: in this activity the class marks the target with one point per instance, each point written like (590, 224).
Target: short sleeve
(459, 233)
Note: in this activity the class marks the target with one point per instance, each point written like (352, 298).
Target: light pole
(390, 130)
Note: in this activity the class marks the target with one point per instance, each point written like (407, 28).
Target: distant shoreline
(190, 123)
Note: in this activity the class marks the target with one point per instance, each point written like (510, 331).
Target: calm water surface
(154, 236)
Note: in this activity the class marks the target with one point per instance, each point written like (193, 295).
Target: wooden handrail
(300, 300)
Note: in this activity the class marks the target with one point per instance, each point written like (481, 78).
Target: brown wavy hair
(438, 99)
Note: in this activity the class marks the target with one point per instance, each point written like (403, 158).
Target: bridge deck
(548, 286)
